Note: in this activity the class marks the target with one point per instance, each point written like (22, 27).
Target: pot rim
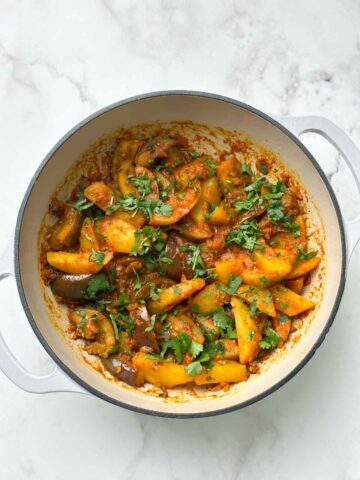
(87, 386)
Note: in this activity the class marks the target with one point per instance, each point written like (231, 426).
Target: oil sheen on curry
(177, 266)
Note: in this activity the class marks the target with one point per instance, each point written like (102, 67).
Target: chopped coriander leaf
(83, 322)
(232, 285)
(245, 168)
(115, 326)
(246, 236)
(305, 255)
(194, 368)
(152, 323)
(225, 322)
(196, 262)
(81, 202)
(253, 306)
(142, 183)
(195, 348)
(148, 208)
(263, 281)
(137, 284)
(263, 169)
(154, 292)
(283, 318)
(100, 283)
(248, 203)
(177, 290)
(251, 335)
(291, 226)
(97, 257)
(195, 155)
(275, 210)
(270, 338)
(212, 167)
(122, 300)
(145, 238)
(208, 353)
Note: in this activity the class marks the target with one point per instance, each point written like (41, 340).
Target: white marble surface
(60, 61)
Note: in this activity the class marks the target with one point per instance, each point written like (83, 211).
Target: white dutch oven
(278, 134)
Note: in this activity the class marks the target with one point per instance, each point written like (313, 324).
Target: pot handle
(345, 146)
(56, 381)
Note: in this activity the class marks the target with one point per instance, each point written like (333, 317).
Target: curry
(179, 267)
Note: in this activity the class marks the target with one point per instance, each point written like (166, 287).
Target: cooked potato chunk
(302, 268)
(260, 296)
(160, 373)
(88, 239)
(171, 296)
(79, 263)
(289, 302)
(118, 234)
(210, 298)
(247, 331)
(223, 371)
(100, 194)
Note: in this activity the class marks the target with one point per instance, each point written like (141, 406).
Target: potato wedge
(225, 173)
(194, 231)
(262, 296)
(88, 239)
(181, 203)
(247, 331)
(232, 266)
(289, 302)
(160, 373)
(302, 268)
(175, 294)
(223, 371)
(219, 216)
(185, 324)
(210, 195)
(100, 194)
(198, 169)
(287, 241)
(257, 278)
(118, 234)
(208, 299)
(78, 263)
(272, 263)
(231, 350)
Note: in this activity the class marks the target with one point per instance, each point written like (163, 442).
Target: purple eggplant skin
(142, 337)
(122, 369)
(70, 287)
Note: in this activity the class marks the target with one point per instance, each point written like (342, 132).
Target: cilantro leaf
(246, 236)
(194, 368)
(97, 257)
(100, 283)
(232, 285)
(303, 255)
(270, 338)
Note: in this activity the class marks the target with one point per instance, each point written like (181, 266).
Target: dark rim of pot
(96, 392)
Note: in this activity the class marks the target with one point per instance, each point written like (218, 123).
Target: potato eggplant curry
(179, 267)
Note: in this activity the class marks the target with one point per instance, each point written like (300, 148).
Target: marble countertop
(61, 61)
